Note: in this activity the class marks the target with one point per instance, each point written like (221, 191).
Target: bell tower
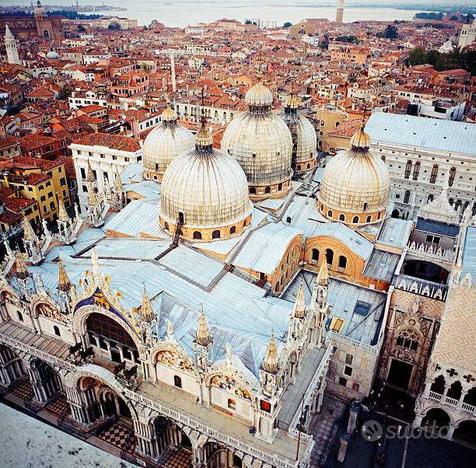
(11, 47)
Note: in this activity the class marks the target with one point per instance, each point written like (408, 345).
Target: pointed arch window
(434, 174)
(416, 170)
(451, 178)
(408, 169)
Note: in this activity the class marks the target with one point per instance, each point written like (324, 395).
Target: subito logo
(372, 431)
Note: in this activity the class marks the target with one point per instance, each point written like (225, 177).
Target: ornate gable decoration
(170, 354)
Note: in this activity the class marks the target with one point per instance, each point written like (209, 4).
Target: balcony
(421, 287)
(424, 250)
(458, 404)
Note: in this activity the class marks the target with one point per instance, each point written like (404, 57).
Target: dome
(355, 186)
(259, 95)
(261, 142)
(164, 143)
(207, 191)
(52, 54)
(304, 157)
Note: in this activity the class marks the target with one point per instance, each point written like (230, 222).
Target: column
(451, 430)
(198, 458)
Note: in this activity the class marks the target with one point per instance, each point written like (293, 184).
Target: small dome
(304, 138)
(355, 185)
(207, 191)
(164, 143)
(261, 142)
(52, 54)
(259, 95)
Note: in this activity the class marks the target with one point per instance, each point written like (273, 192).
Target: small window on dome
(232, 229)
(366, 205)
(329, 213)
(253, 190)
(197, 235)
(342, 217)
(369, 218)
(166, 225)
(280, 187)
(267, 190)
(355, 219)
(216, 234)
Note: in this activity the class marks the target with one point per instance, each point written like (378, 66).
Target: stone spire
(118, 183)
(299, 310)
(21, 271)
(271, 359)
(323, 276)
(28, 232)
(62, 213)
(147, 312)
(203, 337)
(64, 284)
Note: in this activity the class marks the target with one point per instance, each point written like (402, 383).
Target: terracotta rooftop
(118, 142)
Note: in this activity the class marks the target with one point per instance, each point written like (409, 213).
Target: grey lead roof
(419, 132)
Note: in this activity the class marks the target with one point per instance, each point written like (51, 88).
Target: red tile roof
(118, 142)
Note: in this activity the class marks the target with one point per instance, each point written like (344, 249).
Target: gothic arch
(240, 383)
(105, 378)
(81, 315)
(166, 346)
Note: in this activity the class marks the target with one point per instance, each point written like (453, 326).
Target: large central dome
(164, 143)
(355, 186)
(261, 142)
(206, 192)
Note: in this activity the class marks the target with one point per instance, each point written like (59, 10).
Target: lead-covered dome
(261, 142)
(164, 143)
(355, 186)
(206, 193)
(304, 156)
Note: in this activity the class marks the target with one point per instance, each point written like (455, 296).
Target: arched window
(177, 381)
(438, 386)
(455, 391)
(329, 256)
(20, 316)
(315, 255)
(329, 213)
(368, 219)
(288, 219)
(216, 234)
(342, 262)
(416, 170)
(267, 190)
(452, 176)
(181, 217)
(430, 198)
(434, 174)
(197, 235)
(166, 225)
(408, 170)
(56, 330)
(408, 339)
(342, 217)
(280, 186)
(253, 190)
(355, 219)
(232, 229)
(406, 196)
(366, 205)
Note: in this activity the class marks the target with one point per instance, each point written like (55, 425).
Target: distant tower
(172, 72)
(11, 46)
(340, 11)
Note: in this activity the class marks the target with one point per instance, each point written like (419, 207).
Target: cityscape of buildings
(232, 244)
